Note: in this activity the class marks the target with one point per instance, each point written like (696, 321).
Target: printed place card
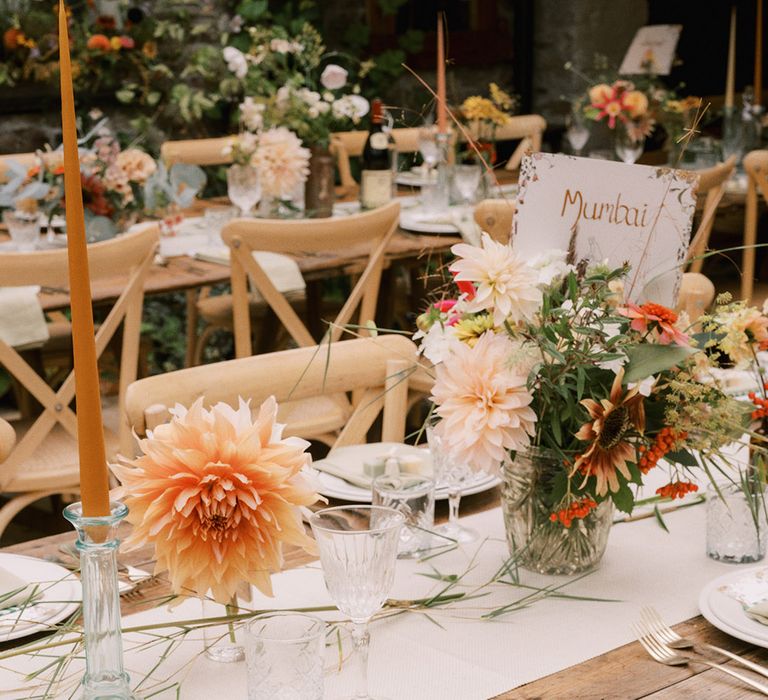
(652, 50)
(608, 211)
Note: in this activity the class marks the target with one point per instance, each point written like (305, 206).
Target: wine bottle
(376, 178)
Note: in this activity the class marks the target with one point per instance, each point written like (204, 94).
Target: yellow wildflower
(502, 99)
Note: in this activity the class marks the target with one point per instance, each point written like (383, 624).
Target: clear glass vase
(97, 542)
(539, 544)
(223, 642)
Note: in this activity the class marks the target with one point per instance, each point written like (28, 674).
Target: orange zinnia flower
(609, 451)
(218, 493)
(656, 316)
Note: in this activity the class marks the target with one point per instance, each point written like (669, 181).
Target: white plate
(352, 458)
(61, 596)
(727, 614)
(425, 222)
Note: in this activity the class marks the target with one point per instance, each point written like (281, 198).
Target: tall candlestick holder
(105, 677)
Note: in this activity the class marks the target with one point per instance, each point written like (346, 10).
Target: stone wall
(573, 31)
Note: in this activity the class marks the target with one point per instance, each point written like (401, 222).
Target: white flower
(309, 96)
(313, 112)
(252, 114)
(613, 365)
(437, 342)
(333, 77)
(644, 387)
(283, 95)
(504, 283)
(328, 96)
(551, 266)
(351, 107)
(236, 61)
(236, 24)
(281, 161)
(282, 46)
(322, 107)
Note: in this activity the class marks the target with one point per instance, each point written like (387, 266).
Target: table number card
(609, 211)
(652, 50)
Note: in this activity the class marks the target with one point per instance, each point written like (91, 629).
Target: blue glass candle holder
(105, 678)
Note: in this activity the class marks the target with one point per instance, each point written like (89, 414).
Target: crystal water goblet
(243, 187)
(428, 145)
(358, 549)
(413, 496)
(467, 180)
(577, 132)
(629, 145)
(452, 473)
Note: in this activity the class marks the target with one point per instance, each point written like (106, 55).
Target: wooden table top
(625, 673)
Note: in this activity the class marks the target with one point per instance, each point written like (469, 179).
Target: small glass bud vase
(105, 677)
(737, 531)
(223, 642)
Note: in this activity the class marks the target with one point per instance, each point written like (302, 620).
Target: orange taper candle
(442, 119)
(759, 53)
(94, 480)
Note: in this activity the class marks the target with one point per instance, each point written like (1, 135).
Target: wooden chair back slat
(197, 151)
(528, 128)
(378, 368)
(712, 182)
(494, 216)
(245, 236)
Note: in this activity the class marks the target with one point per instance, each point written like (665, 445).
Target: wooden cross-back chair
(197, 151)
(376, 368)
(369, 231)
(528, 128)
(44, 459)
(756, 167)
(494, 216)
(712, 182)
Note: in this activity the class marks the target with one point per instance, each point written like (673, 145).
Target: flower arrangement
(282, 162)
(547, 355)
(218, 493)
(483, 115)
(637, 105)
(112, 181)
(290, 81)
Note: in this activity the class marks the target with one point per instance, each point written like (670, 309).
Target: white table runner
(413, 658)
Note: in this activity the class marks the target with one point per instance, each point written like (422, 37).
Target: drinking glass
(453, 473)
(577, 132)
(358, 549)
(736, 524)
(467, 180)
(24, 232)
(243, 187)
(284, 654)
(414, 497)
(629, 146)
(428, 145)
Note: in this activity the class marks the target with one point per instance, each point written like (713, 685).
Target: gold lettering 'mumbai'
(612, 212)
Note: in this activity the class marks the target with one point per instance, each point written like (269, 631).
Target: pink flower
(655, 316)
(483, 403)
(127, 42)
(218, 493)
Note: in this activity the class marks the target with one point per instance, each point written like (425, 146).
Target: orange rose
(599, 94)
(98, 42)
(636, 103)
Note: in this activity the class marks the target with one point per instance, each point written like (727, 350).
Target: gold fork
(663, 654)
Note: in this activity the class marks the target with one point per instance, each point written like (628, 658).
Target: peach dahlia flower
(483, 402)
(218, 493)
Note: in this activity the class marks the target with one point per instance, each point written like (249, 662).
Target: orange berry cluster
(676, 489)
(665, 442)
(577, 509)
(762, 405)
